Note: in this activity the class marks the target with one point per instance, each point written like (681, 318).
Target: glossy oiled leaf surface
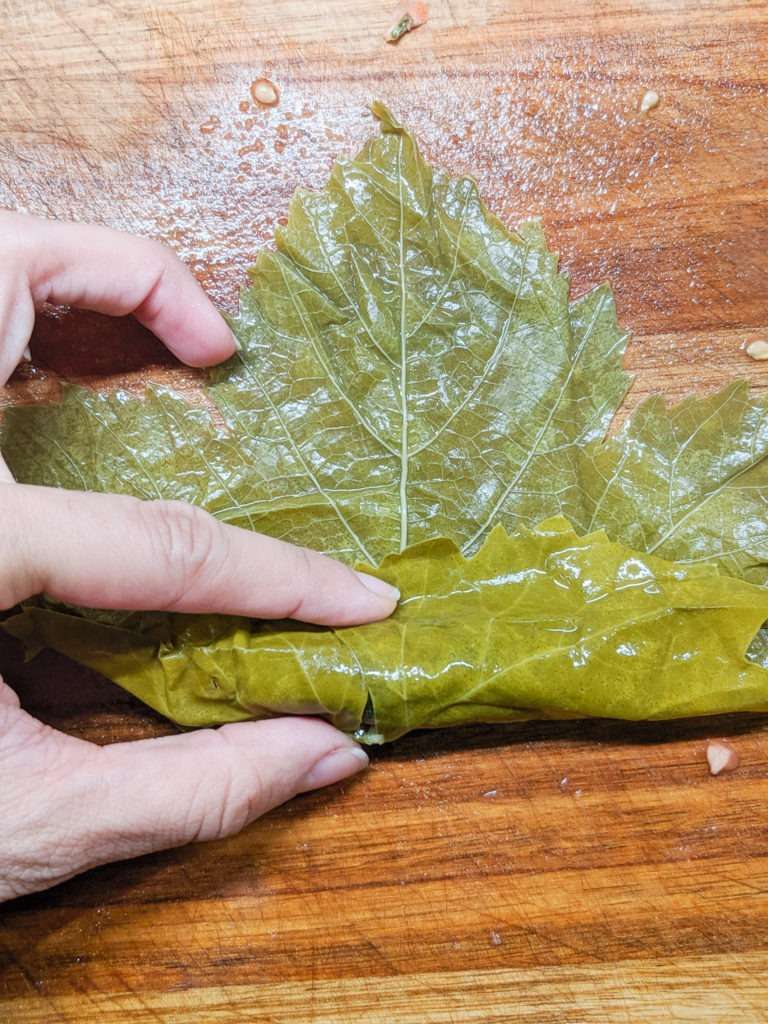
(540, 624)
(411, 370)
(688, 482)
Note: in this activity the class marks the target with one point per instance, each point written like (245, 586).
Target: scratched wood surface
(561, 873)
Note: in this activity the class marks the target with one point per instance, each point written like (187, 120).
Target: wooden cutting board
(563, 873)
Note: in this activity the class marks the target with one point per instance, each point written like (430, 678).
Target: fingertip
(371, 599)
(214, 348)
(202, 338)
(335, 766)
(179, 312)
(380, 588)
(302, 752)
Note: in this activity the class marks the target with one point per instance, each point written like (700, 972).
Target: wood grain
(564, 873)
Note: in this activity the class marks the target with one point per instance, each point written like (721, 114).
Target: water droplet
(255, 147)
(265, 92)
(210, 125)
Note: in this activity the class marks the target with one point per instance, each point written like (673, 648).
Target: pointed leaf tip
(387, 121)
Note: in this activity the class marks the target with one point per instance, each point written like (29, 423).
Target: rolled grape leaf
(541, 624)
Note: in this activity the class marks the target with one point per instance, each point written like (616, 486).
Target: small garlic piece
(721, 757)
(264, 92)
(758, 350)
(649, 101)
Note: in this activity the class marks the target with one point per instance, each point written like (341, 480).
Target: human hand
(67, 805)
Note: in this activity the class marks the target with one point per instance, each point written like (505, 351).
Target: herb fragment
(405, 18)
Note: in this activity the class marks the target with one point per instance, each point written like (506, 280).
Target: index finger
(110, 272)
(114, 551)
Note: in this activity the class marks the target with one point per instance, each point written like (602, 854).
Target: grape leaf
(688, 482)
(540, 624)
(410, 370)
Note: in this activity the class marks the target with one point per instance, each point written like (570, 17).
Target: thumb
(211, 783)
(68, 805)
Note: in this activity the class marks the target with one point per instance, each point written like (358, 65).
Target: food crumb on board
(265, 92)
(757, 350)
(649, 101)
(721, 757)
(490, 792)
(405, 18)
(496, 939)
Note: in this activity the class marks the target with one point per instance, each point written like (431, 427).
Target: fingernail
(334, 767)
(378, 587)
(238, 346)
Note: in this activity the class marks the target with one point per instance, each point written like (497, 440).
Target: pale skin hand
(67, 805)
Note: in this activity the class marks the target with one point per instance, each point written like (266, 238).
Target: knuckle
(300, 581)
(226, 804)
(160, 256)
(161, 252)
(159, 260)
(187, 543)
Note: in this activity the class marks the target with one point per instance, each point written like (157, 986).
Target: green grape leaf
(688, 482)
(412, 382)
(408, 369)
(540, 624)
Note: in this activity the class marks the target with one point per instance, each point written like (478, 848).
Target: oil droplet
(245, 106)
(265, 92)
(210, 125)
